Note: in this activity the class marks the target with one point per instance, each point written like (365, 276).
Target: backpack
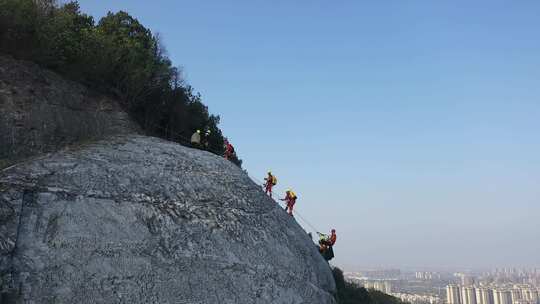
(293, 195)
(274, 180)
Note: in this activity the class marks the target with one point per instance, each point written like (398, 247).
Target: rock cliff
(42, 112)
(136, 219)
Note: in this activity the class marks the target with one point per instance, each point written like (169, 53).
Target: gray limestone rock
(136, 219)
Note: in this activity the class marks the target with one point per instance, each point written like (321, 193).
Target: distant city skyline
(409, 126)
(496, 286)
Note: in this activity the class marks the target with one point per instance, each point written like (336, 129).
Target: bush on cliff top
(118, 56)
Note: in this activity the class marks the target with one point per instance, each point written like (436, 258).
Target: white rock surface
(136, 219)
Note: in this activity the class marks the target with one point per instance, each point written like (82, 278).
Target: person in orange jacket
(290, 200)
(270, 182)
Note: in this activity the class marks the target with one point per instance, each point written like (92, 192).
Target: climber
(196, 139)
(329, 240)
(229, 150)
(326, 243)
(290, 200)
(270, 181)
(206, 139)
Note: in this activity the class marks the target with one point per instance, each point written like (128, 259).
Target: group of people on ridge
(201, 141)
(326, 242)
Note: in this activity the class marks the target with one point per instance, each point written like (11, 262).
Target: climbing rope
(187, 141)
(307, 222)
(259, 182)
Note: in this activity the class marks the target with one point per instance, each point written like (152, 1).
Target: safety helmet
(333, 230)
(269, 172)
(199, 131)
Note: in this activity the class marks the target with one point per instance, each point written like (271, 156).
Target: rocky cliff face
(142, 220)
(42, 112)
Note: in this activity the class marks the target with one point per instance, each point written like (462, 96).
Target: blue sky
(412, 127)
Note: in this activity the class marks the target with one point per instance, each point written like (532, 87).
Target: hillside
(42, 112)
(117, 56)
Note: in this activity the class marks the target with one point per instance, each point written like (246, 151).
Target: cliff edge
(135, 219)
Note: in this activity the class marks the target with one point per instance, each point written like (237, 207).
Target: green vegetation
(348, 293)
(117, 56)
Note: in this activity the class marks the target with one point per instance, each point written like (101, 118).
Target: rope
(256, 180)
(187, 142)
(259, 182)
(308, 223)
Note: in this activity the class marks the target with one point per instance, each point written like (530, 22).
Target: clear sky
(412, 127)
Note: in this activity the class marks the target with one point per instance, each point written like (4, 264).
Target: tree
(64, 36)
(118, 56)
(349, 293)
(130, 56)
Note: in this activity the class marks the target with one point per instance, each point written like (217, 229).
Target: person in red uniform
(271, 181)
(333, 238)
(326, 243)
(290, 200)
(328, 240)
(229, 150)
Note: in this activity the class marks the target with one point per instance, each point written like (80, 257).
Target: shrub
(118, 56)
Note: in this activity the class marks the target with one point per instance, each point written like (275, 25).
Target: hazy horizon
(410, 127)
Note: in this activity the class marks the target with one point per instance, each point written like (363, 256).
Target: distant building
(530, 294)
(484, 295)
(417, 299)
(427, 275)
(388, 287)
(468, 295)
(479, 299)
(502, 296)
(379, 285)
(516, 294)
(453, 295)
(467, 280)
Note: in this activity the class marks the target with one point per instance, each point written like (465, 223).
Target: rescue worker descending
(271, 181)
(326, 243)
(229, 150)
(290, 200)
